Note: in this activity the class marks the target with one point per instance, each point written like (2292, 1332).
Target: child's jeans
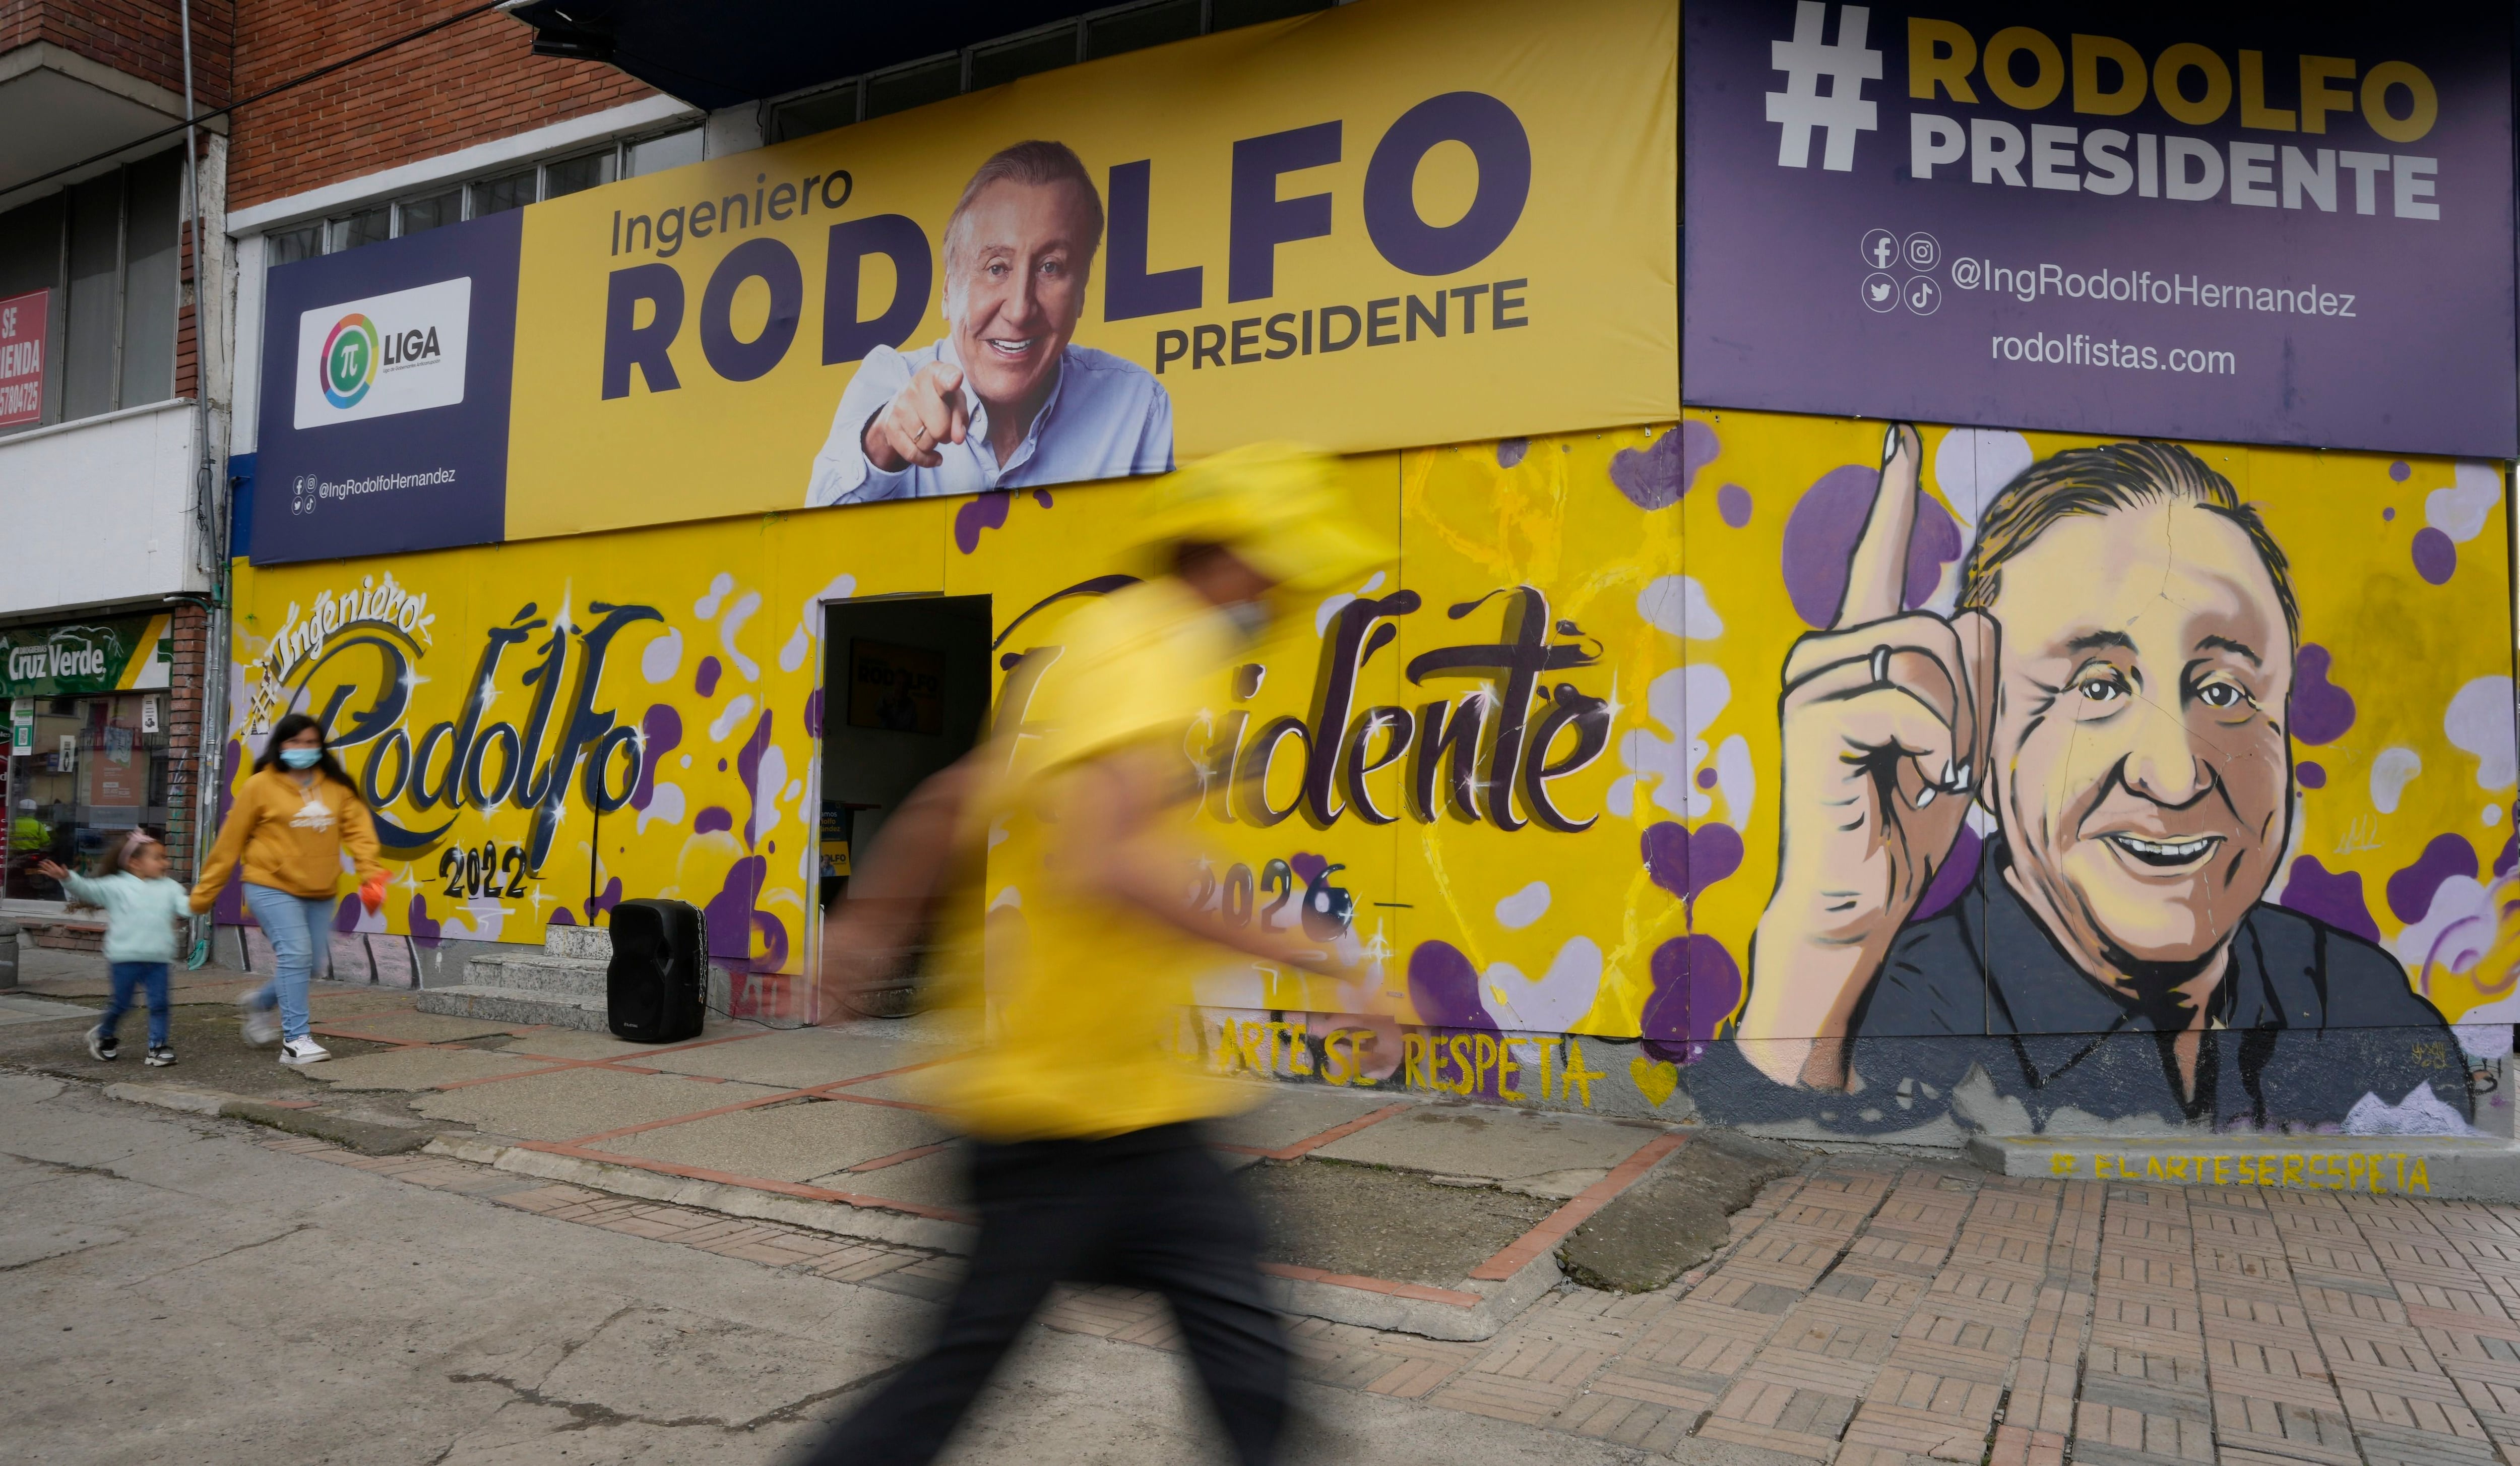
(128, 975)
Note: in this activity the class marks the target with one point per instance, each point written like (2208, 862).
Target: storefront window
(88, 715)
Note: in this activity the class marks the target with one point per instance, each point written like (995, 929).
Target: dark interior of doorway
(905, 693)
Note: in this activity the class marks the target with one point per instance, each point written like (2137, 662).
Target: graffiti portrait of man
(1004, 400)
(2113, 691)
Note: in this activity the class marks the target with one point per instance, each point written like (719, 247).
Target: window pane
(290, 246)
(369, 226)
(149, 282)
(499, 195)
(915, 85)
(1228, 14)
(431, 212)
(819, 112)
(31, 259)
(1004, 61)
(1135, 29)
(575, 174)
(657, 154)
(87, 357)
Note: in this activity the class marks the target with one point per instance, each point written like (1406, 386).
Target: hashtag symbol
(1800, 107)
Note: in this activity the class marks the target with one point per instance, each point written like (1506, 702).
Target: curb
(1474, 1311)
(870, 1222)
(362, 1136)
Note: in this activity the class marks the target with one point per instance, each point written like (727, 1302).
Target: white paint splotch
(1678, 603)
(1553, 1003)
(2480, 722)
(1523, 908)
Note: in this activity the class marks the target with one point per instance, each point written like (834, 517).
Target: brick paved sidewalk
(1874, 1311)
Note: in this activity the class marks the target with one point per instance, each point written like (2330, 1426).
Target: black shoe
(102, 1046)
(160, 1056)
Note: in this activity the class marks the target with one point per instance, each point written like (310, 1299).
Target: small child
(142, 907)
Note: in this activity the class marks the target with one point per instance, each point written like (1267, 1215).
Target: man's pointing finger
(1877, 575)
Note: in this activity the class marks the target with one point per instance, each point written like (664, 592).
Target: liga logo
(383, 356)
(348, 366)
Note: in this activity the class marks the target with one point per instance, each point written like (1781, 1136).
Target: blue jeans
(297, 926)
(128, 975)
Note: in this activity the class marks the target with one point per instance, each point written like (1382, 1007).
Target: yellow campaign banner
(1358, 229)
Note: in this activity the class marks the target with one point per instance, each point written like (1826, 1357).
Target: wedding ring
(1880, 664)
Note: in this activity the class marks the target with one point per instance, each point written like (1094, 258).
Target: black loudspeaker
(655, 991)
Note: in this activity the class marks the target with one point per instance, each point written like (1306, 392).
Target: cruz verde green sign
(113, 654)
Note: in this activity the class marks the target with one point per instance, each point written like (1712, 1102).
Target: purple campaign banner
(2250, 225)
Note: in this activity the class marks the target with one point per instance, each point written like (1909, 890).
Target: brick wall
(140, 38)
(184, 736)
(470, 83)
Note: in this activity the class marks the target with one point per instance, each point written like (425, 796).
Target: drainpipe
(210, 524)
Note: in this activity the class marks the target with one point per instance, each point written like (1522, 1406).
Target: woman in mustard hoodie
(289, 826)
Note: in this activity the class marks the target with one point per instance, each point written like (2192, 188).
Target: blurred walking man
(1088, 1158)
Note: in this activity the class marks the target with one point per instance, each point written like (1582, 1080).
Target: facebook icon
(1880, 250)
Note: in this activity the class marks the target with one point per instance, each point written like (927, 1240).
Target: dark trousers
(1151, 1209)
(128, 976)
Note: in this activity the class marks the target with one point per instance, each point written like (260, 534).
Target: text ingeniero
(646, 304)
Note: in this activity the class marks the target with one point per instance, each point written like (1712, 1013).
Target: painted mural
(1608, 770)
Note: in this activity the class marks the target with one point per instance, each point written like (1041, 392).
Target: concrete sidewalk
(1868, 1308)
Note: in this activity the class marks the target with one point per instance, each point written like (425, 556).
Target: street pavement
(186, 1288)
(177, 1291)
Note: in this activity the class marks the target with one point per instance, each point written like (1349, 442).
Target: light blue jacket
(140, 915)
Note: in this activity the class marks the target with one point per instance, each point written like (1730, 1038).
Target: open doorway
(905, 693)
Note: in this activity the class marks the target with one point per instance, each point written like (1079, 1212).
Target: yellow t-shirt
(1085, 998)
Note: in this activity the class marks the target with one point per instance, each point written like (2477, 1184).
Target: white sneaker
(261, 1024)
(303, 1051)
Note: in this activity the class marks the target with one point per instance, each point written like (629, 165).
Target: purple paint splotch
(978, 513)
(2436, 554)
(611, 897)
(1733, 502)
(747, 767)
(1041, 497)
(729, 913)
(2410, 890)
(1820, 541)
(1659, 477)
(1687, 863)
(1696, 985)
(660, 730)
(1511, 451)
(2401, 471)
(423, 927)
(715, 817)
(2310, 775)
(1308, 867)
(704, 677)
(1444, 988)
(2322, 710)
(345, 917)
(1953, 876)
(2332, 896)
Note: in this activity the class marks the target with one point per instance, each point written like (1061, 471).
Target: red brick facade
(185, 682)
(137, 37)
(470, 83)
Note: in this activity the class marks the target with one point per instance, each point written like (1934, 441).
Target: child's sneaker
(261, 1024)
(160, 1057)
(303, 1051)
(102, 1045)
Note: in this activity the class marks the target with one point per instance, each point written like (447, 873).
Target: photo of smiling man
(1004, 400)
(2114, 691)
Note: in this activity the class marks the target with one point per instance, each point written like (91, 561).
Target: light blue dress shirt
(1107, 418)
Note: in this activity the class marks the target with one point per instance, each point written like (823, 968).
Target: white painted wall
(99, 511)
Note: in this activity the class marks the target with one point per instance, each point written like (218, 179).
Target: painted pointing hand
(1885, 722)
(930, 410)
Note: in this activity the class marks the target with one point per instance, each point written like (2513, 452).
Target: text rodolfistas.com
(2074, 348)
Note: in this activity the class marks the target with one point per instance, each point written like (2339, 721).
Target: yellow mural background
(1598, 524)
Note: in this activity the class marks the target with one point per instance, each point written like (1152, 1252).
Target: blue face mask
(300, 758)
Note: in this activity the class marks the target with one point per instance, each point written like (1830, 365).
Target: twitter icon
(1880, 293)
